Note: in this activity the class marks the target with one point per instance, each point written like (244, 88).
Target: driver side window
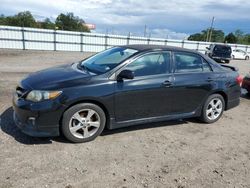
(150, 64)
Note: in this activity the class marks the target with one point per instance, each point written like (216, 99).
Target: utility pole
(145, 30)
(211, 29)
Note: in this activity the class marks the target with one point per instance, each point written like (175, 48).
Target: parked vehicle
(246, 83)
(220, 53)
(240, 54)
(123, 86)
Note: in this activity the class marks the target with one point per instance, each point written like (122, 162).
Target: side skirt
(114, 125)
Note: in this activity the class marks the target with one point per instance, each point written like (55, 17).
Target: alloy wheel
(214, 109)
(84, 123)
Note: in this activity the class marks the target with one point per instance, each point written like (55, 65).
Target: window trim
(167, 72)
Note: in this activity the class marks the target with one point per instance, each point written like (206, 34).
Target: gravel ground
(183, 153)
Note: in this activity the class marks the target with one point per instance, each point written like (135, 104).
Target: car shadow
(8, 126)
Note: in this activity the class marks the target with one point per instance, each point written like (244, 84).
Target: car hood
(56, 78)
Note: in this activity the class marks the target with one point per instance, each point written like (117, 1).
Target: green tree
(70, 22)
(47, 24)
(231, 38)
(22, 19)
(240, 36)
(196, 37)
(2, 20)
(247, 39)
(217, 36)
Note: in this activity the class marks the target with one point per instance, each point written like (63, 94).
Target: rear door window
(188, 63)
(222, 49)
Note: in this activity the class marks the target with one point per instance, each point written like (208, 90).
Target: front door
(147, 95)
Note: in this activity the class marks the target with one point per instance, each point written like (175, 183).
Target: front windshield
(107, 60)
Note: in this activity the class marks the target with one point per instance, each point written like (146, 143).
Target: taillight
(239, 80)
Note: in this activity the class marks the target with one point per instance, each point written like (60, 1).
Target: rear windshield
(223, 49)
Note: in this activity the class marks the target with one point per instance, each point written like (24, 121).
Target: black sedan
(123, 86)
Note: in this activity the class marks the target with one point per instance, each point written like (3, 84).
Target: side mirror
(126, 74)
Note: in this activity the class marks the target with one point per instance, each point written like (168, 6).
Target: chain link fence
(57, 40)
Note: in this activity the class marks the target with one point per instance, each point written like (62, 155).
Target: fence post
(148, 40)
(128, 38)
(198, 45)
(54, 40)
(81, 42)
(106, 41)
(23, 38)
(166, 42)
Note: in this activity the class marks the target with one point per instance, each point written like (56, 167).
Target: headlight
(37, 96)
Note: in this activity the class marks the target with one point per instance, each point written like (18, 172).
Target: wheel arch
(224, 95)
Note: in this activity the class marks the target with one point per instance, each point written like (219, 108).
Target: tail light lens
(239, 80)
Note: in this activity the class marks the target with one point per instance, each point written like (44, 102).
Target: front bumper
(37, 119)
(34, 130)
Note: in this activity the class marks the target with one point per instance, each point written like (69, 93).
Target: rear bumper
(233, 103)
(221, 58)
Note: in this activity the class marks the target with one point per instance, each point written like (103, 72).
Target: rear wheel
(227, 61)
(213, 108)
(247, 58)
(83, 122)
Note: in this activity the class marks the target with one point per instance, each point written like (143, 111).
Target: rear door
(193, 80)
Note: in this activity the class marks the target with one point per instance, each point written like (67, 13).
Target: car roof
(225, 45)
(145, 47)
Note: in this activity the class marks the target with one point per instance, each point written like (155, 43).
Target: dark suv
(219, 52)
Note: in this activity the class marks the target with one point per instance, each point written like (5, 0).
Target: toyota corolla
(124, 86)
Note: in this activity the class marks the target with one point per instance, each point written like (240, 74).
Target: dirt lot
(182, 153)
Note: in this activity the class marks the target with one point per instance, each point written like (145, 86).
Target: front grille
(21, 92)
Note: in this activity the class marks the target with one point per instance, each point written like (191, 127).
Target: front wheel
(83, 122)
(213, 108)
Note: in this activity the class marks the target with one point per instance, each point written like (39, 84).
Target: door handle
(209, 79)
(167, 83)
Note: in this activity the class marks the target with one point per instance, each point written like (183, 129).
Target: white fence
(57, 40)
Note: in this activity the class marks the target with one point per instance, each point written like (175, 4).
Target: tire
(215, 111)
(233, 57)
(247, 58)
(83, 122)
(227, 61)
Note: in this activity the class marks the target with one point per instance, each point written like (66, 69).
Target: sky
(175, 19)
